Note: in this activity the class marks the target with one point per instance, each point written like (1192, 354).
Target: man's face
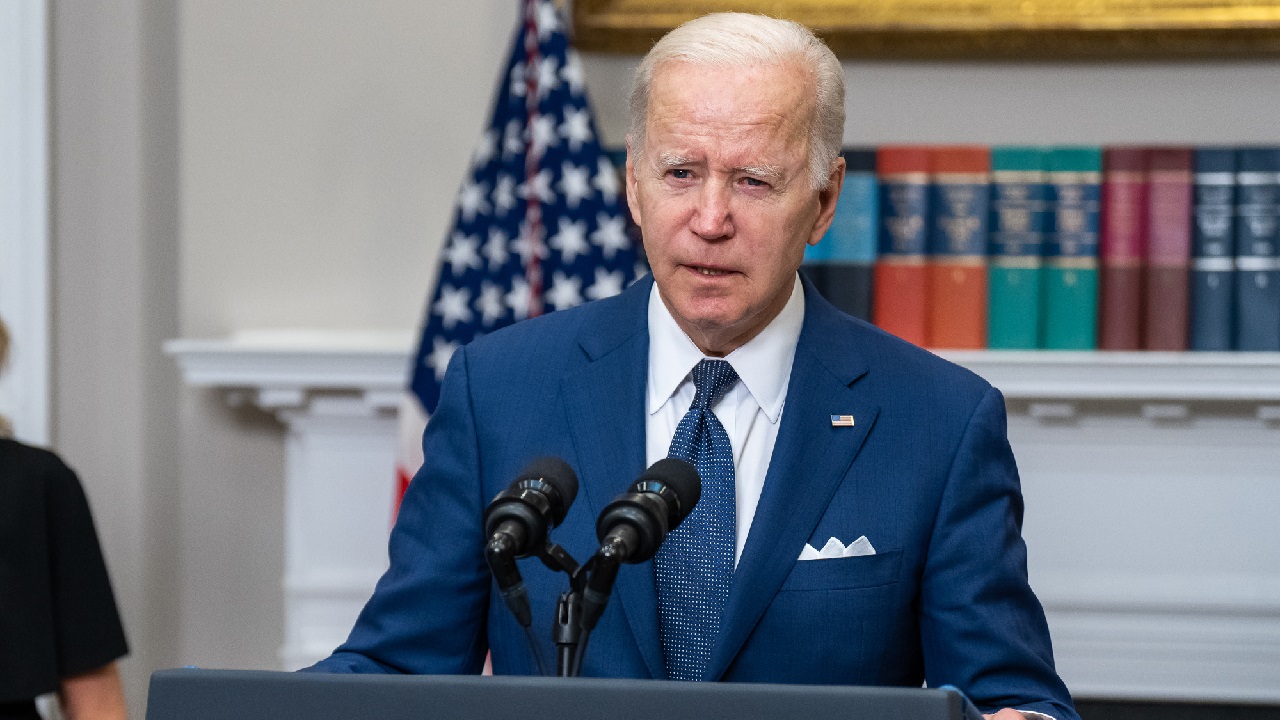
(722, 192)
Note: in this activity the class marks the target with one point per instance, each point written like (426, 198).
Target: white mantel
(1152, 483)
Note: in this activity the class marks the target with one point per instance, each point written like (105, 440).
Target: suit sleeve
(983, 630)
(428, 611)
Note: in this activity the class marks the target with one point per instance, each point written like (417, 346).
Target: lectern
(257, 695)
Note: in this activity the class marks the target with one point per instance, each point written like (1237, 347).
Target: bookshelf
(1151, 481)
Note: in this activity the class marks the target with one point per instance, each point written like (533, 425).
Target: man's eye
(681, 174)
(755, 182)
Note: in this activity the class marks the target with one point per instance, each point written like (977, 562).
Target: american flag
(540, 223)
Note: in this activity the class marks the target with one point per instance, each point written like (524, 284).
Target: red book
(957, 265)
(1170, 183)
(900, 295)
(1124, 219)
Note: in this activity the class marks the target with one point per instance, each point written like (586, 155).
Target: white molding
(1049, 375)
(296, 358)
(337, 395)
(24, 215)
(316, 371)
(1235, 595)
(379, 362)
(1167, 656)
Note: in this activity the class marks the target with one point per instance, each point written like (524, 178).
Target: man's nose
(712, 217)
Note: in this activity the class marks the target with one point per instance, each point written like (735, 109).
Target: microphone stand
(567, 631)
(579, 609)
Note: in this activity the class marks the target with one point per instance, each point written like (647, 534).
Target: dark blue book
(1213, 249)
(1258, 249)
(848, 267)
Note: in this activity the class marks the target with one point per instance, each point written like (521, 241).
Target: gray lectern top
(252, 695)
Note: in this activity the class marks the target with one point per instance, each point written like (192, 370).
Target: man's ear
(633, 203)
(827, 200)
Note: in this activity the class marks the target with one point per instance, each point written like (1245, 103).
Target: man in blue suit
(866, 529)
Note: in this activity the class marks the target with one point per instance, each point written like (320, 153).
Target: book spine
(1071, 249)
(851, 241)
(1258, 249)
(1019, 218)
(1213, 251)
(957, 264)
(1124, 215)
(1168, 259)
(899, 301)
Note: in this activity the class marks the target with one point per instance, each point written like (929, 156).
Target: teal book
(1019, 219)
(851, 241)
(1071, 249)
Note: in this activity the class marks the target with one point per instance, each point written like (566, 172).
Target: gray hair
(740, 40)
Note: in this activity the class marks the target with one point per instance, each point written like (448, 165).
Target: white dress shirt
(751, 410)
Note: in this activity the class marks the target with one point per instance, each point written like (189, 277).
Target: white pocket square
(836, 549)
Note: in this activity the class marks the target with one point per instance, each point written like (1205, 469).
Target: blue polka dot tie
(695, 564)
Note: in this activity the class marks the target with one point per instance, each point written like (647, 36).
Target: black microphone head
(561, 478)
(680, 479)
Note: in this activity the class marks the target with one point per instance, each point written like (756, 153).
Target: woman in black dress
(59, 627)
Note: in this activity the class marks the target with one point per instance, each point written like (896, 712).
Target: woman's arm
(95, 695)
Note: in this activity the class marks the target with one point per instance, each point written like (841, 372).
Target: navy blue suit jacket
(926, 473)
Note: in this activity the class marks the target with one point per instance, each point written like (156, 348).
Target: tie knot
(712, 379)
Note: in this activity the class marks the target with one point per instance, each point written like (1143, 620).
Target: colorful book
(899, 295)
(1258, 249)
(1168, 260)
(851, 242)
(1070, 317)
(1213, 251)
(1124, 220)
(960, 186)
(1019, 218)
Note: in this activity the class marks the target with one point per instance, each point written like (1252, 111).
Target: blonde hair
(6, 427)
(739, 40)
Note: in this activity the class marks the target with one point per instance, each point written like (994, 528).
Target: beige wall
(321, 148)
(234, 165)
(114, 295)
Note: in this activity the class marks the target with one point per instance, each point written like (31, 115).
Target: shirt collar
(763, 363)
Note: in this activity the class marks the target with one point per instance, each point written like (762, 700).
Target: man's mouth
(710, 272)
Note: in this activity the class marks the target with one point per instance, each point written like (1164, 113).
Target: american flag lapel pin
(841, 421)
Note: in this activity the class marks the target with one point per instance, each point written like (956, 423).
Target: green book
(1019, 220)
(1071, 249)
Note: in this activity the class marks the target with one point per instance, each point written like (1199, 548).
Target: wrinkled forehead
(785, 89)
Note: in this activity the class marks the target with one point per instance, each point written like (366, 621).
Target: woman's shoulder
(18, 459)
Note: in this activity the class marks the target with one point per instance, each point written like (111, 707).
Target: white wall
(24, 217)
(243, 165)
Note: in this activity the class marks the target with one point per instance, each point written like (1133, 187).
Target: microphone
(517, 522)
(633, 526)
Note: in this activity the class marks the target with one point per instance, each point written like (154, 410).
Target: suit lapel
(604, 402)
(810, 459)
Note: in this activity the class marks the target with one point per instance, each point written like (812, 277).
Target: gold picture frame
(937, 29)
